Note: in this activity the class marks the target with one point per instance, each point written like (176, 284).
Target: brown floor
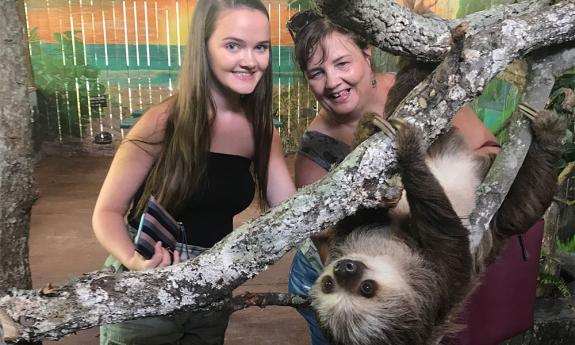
(62, 246)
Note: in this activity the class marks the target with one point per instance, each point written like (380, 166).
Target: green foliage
(64, 82)
(555, 285)
(561, 101)
(567, 247)
(471, 6)
(305, 4)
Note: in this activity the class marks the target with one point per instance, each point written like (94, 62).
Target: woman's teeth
(339, 94)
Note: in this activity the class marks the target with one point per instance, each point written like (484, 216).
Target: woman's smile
(340, 96)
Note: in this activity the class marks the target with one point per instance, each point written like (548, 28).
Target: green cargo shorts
(197, 328)
(184, 328)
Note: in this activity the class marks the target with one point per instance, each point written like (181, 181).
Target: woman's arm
(280, 183)
(129, 168)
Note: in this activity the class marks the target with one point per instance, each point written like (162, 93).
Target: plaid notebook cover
(156, 225)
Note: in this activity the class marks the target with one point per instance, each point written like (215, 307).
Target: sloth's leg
(433, 222)
(536, 182)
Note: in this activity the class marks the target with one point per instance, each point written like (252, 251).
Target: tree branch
(395, 29)
(364, 178)
(262, 300)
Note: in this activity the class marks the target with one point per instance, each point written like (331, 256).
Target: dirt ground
(62, 246)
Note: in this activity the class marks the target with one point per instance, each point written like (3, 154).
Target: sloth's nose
(345, 267)
(348, 273)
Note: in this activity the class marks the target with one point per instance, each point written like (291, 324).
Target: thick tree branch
(391, 27)
(363, 179)
(395, 29)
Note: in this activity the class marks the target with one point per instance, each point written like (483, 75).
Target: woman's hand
(161, 258)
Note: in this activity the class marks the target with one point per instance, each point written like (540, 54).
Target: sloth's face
(351, 276)
(355, 294)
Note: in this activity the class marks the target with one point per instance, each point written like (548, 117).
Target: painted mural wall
(98, 62)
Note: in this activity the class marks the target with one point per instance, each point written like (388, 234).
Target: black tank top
(225, 190)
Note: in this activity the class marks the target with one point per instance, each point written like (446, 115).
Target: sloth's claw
(528, 111)
(390, 126)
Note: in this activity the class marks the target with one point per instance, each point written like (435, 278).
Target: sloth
(397, 276)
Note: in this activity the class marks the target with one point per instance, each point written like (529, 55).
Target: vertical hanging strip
(137, 71)
(85, 54)
(298, 86)
(157, 55)
(107, 66)
(68, 108)
(118, 58)
(148, 68)
(178, 33)
(168, 45)
(75, 63)
(136, 36)
(279, 67)
(57, 94)
(96, 63)
(121, 105)
(58, 117)
(147, 33)
(126, 33)
(66, 99)
(124, 14)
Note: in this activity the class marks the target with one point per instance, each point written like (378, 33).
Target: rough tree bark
(16, 164)
(396, 29)
(363, 179)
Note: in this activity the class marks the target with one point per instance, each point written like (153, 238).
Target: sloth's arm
(432, 219)
(443, 239)
(536, 182)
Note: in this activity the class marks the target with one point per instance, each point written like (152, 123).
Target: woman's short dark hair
(311, 37)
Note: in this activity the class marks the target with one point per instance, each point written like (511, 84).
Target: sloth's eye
(327, 284)
(368, 288)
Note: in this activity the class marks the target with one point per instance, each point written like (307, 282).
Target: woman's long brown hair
(179, 168)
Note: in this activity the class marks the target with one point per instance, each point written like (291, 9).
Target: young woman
(198, 154)
(337, 65)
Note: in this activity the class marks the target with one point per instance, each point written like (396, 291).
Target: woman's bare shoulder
(152, 125)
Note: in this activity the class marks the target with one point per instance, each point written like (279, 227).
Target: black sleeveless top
(225, 190)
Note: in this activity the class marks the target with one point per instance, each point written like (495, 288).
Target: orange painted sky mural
(131, 21)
